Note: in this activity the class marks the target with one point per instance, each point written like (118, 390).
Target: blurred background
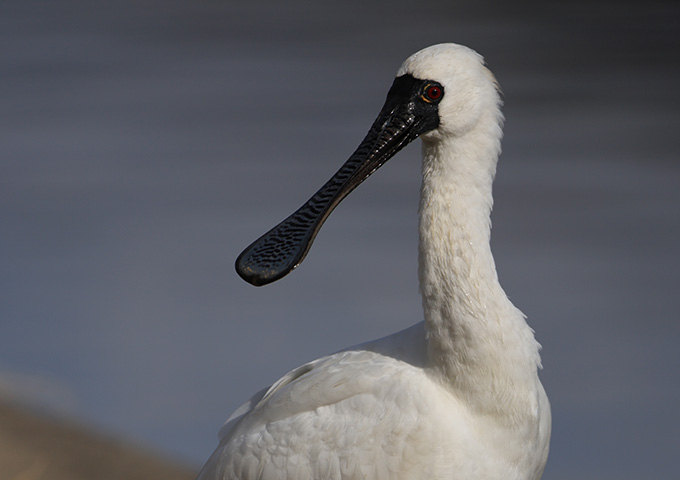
(145, 143)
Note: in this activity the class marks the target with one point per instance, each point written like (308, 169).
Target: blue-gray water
(144, 143)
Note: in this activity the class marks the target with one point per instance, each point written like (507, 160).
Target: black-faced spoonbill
(455, 397)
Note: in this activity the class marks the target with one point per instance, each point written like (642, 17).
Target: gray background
(144, 143)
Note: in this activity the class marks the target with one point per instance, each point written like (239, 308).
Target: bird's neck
(478, 342)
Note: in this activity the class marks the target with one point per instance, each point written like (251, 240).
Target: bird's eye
(432, 93)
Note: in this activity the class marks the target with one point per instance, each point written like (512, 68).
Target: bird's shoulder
(328, 413)
(330, 384)
(367, 369)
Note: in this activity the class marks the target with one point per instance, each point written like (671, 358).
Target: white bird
(454, 397)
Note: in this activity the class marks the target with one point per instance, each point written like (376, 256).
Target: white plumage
(454, 397)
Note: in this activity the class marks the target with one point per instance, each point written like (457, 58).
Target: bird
(455, 396)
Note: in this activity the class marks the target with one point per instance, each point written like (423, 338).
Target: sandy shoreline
(35, 446)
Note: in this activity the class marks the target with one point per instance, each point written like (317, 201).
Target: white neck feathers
(478, 341)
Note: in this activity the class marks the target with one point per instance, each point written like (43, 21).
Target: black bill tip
(277, 252)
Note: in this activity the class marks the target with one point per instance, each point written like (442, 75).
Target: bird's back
(369, 412)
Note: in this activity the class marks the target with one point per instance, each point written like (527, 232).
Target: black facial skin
(411, 109)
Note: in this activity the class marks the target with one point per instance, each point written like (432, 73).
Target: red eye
(433, 93)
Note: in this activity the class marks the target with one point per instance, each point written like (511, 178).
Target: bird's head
(439, 92)
(469, 89)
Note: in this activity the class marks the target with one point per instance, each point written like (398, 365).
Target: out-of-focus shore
(36, 447)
